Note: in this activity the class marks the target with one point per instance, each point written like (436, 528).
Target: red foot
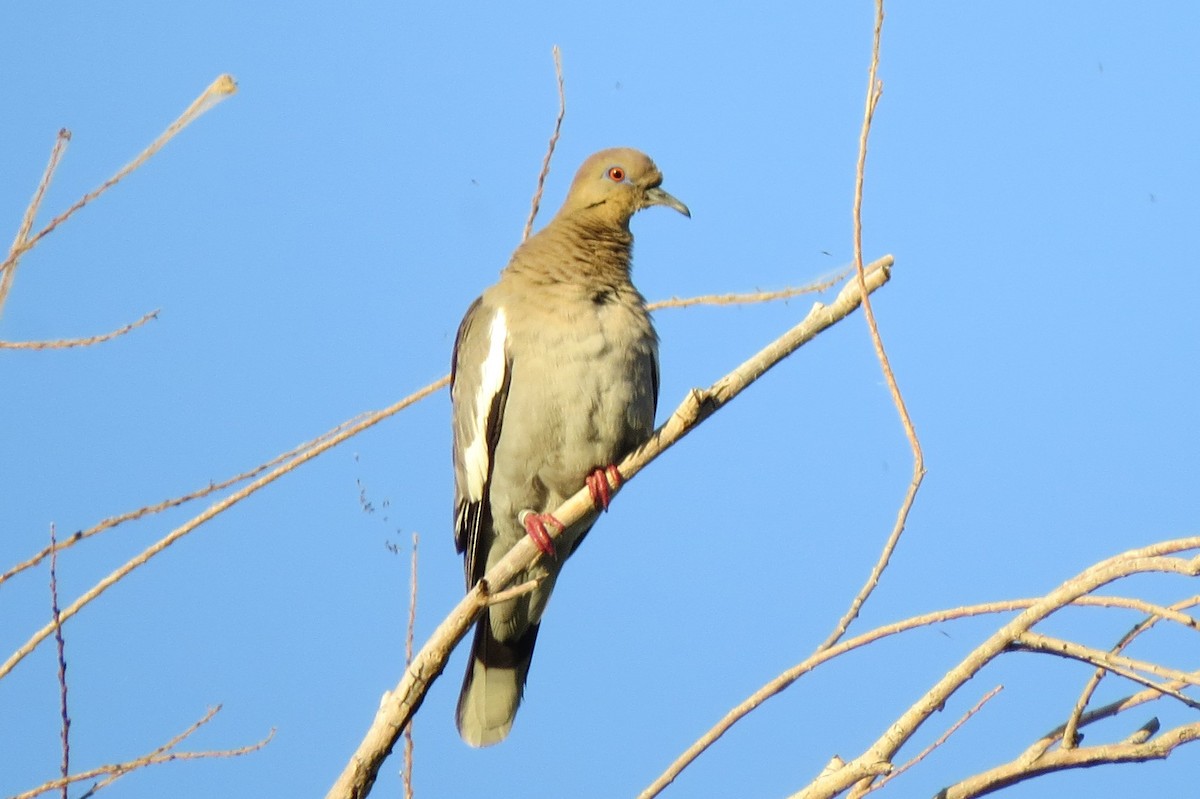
(535, 525)
(601, 483)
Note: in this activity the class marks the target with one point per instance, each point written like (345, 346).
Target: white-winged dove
(554, 380)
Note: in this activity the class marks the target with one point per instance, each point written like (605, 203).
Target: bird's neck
(578, 249)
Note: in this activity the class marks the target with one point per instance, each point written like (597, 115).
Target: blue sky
(314, 241)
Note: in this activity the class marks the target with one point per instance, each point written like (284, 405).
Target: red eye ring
(616, 174)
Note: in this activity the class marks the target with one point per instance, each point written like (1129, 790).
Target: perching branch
(398, 705)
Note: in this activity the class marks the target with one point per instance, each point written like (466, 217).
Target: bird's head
(615, 184)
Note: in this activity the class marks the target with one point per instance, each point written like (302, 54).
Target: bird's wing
(655, 380)
(479, 380)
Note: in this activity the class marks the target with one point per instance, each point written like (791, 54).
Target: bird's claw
(602, 483)
(535, 525)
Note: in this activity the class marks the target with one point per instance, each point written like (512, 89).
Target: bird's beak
(657, 196)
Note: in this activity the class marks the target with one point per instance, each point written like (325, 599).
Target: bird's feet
(535, 524)
(602, 483)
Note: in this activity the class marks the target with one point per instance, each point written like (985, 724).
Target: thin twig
(1039, 747)
(224, 86)
(161, 754)
(513, 592)
(62, 666)
(408, 655)
(1117, 664)
(67, 343)
(859, 791)
(1015, 771)
(874, 90)
(398, 705)
(751, 297)
(8, 269)
(562, 110)
(1070, 731)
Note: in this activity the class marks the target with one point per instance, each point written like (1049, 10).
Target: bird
(554, 379)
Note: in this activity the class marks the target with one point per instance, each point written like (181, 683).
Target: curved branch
(1117, 664)
(562, 111)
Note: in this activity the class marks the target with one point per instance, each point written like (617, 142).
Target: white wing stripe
(476, 457)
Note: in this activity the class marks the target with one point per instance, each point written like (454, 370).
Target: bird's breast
(586, 373)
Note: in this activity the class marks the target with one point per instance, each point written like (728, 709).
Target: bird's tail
(493, 685)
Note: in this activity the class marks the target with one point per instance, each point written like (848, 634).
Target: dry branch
(864, 788)
(8, 270)
(224, 86)
(162, 754)
(874, 92)
(1154, 558)
(1062, 759)
(398, 705)
(545, 170)
(1117, 664)
(750, 297)
(1155, 615)
(68, 343)
(823, 656)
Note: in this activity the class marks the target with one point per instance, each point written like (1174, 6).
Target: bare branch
(65, 767)
(751, 297)
(224, 86)
(1147, 559)
(562, 110)
(1062, 759)
(1156, 614)
(162, 754)
(8, 269)
(864, 788)
(1117, 664)
(874, 91)
(822, 656)
(67, 343)
(512, 592)
(408, 655)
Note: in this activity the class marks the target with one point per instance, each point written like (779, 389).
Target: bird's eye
(616, 174)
